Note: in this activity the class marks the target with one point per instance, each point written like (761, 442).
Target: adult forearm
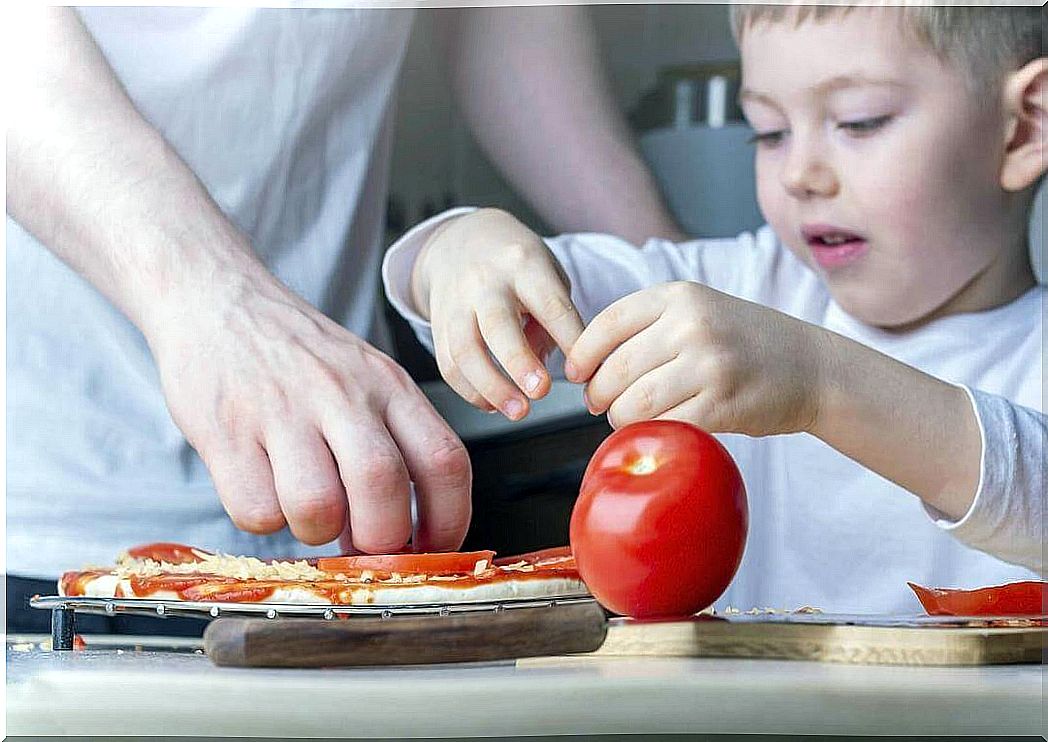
(97, 184)
(902, 423)
(531, 86)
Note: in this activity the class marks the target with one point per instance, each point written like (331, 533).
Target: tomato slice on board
(437, 563)
(167, 552)
(1029, 598)
(559, 557)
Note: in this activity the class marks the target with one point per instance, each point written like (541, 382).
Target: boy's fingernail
(570, 372)
(531, 381)
(589, 405)
(513, 409)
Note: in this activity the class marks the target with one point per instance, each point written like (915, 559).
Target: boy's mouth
(833, 247)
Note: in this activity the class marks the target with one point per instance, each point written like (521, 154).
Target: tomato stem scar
(644, 465)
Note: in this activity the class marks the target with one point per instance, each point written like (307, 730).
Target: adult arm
(297, 419)
(530, 84)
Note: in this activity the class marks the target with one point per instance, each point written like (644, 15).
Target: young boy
(878, 344)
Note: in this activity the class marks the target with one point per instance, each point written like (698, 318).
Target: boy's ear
(1026, 109)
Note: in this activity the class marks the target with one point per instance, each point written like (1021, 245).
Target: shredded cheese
(224, 565)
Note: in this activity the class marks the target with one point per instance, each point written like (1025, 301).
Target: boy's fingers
(539, 341)
(649, 396)
(696, 410)
(506, 340)
(469, 354)
(452, 374)
(547, 300)
(609, 329)
(637, 356)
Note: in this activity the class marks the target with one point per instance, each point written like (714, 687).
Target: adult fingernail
(531, 381)
(570, 372)
(589, 405)
(513, 409)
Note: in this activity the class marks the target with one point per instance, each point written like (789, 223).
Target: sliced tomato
(438, 563)
(176, 583)
(238, 591)
(167, 552)
(74, 584)
(558, 556)
(1029, 598)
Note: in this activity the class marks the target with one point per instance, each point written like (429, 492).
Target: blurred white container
(706, 175)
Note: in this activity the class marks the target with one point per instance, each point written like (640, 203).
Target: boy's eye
(864, 126)
(767, 138)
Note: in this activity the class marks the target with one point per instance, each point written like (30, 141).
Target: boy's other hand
(684, 351)
(498, 303)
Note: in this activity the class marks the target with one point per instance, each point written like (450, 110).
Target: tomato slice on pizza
(439, 563)
(168, 552)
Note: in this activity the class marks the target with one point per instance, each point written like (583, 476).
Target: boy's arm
(684, 351)
(976, 460)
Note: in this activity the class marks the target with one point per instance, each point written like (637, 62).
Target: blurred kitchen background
(674, 71)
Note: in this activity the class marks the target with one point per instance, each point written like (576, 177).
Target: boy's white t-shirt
(824, 530)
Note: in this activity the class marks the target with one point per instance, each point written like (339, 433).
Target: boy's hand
(494, 294)
(684, 351)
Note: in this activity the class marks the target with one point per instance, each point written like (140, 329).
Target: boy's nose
(805, 175)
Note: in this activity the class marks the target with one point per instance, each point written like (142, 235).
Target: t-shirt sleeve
(1007, 517)
(397, 266)
(603, 268)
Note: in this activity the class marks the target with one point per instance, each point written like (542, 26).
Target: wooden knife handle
(406, 640)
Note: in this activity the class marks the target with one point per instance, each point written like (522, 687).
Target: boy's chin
(877, 309)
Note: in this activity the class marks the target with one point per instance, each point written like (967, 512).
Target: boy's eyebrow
(826, 86)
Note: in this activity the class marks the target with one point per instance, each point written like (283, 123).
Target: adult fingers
(307, 482)
(650, 395)
(375, 479)
(243, 477)
(617, 323)
(439, 466)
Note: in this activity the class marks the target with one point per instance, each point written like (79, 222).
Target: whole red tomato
(660, 523)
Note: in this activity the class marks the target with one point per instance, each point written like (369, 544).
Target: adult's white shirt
(824, 530)
(285, 117)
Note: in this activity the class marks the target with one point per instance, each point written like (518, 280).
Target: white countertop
(102, 692)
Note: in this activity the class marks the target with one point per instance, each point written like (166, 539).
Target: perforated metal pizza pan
(64, 609)
(191, 609)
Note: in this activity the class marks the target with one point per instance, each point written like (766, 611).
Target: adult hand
(299, 421)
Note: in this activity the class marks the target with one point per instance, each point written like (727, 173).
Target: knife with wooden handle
(406, 640)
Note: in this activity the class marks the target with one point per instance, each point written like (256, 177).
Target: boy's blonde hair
(984, 42)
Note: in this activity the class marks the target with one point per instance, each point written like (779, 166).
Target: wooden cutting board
(850, 640)
(583, 630)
